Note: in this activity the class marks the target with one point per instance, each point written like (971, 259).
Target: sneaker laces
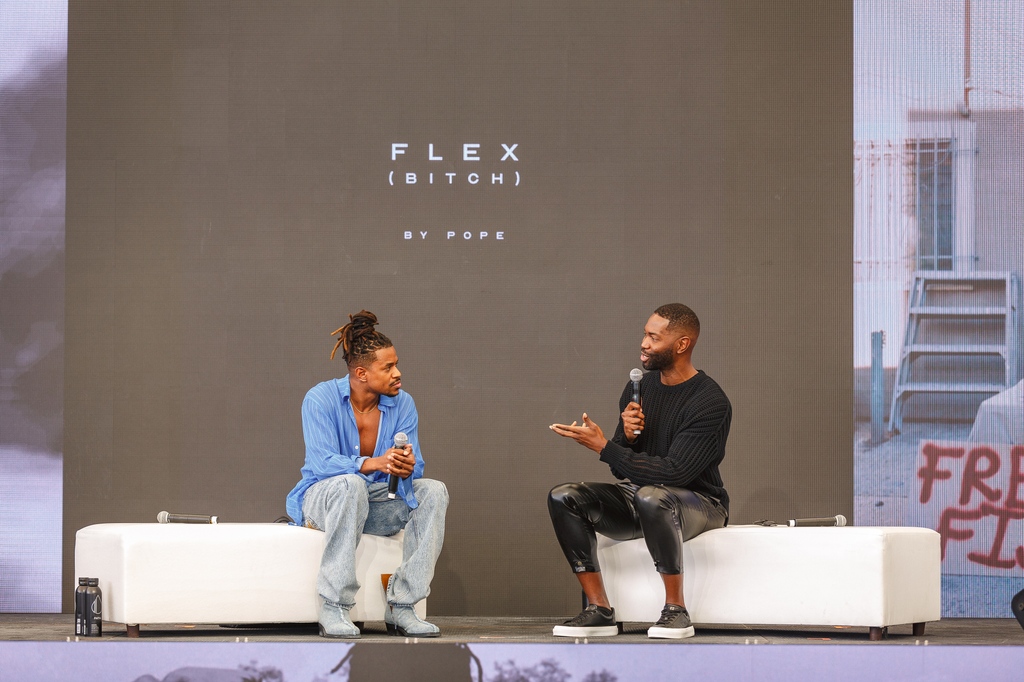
(668, 614)
(578, 619)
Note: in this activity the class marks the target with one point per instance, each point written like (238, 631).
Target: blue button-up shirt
(332, 439)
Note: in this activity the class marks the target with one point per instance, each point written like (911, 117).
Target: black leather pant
(665, 517)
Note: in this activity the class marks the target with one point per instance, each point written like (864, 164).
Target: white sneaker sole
(669, 633)
(599, 631)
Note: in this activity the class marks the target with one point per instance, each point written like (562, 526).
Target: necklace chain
(362, 411)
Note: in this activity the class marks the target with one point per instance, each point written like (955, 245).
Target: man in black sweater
(667, 449)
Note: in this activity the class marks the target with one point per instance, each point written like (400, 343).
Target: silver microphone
(837, 520)
(635, 375)
(401, 440)
(167, 517)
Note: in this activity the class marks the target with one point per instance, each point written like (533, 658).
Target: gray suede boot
(401, 620)
(335, 623)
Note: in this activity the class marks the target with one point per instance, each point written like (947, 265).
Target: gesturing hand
(588, 434)
(632, 421)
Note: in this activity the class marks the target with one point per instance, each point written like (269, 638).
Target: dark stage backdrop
(237, 185)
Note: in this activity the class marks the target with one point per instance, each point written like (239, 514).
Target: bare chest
(368, 425)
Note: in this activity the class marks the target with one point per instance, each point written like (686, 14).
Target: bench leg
(133, 630)
(918, 629)
(877, 634)
(359, 624)
(619, 625)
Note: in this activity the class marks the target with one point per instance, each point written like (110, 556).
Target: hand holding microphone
(401, 442)
(633, 415)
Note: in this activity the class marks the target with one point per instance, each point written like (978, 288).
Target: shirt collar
(345, 389)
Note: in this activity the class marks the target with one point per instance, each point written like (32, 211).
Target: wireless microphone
(837, 520)
(401, 440)
(167, 517)
(635, 375)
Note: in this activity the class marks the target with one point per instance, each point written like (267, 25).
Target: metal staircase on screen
(961, 337)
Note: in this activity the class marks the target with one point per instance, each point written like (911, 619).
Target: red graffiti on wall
(981, 496)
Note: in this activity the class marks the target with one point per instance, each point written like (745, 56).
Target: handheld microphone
(167, 517)
(401, 440)
(635, 375)
(837, 520)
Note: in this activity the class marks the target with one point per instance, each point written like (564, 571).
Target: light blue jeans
(344, 507)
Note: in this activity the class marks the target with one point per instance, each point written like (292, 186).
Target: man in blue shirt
(349, 426)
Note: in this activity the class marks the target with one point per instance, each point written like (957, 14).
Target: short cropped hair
(680, 317)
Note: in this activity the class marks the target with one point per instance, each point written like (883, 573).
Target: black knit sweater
(683, 442)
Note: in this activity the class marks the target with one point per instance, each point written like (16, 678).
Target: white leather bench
(872, 577)
(226, 573)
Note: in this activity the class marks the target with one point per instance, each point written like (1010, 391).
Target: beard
(658, 361)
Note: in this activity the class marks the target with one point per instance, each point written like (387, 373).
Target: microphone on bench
(167, 517)
(837, 520)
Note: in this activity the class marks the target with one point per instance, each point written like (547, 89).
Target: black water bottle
(93, 609)
(83, 583)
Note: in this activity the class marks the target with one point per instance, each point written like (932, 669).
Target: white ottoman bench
(226, 573)
(870, 577)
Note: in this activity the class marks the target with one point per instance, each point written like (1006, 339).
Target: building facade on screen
(939, 257)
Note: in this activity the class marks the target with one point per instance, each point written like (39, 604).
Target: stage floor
(39, 648)
(471, 630)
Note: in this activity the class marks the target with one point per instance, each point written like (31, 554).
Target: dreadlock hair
(680, 317)
(359, 340)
